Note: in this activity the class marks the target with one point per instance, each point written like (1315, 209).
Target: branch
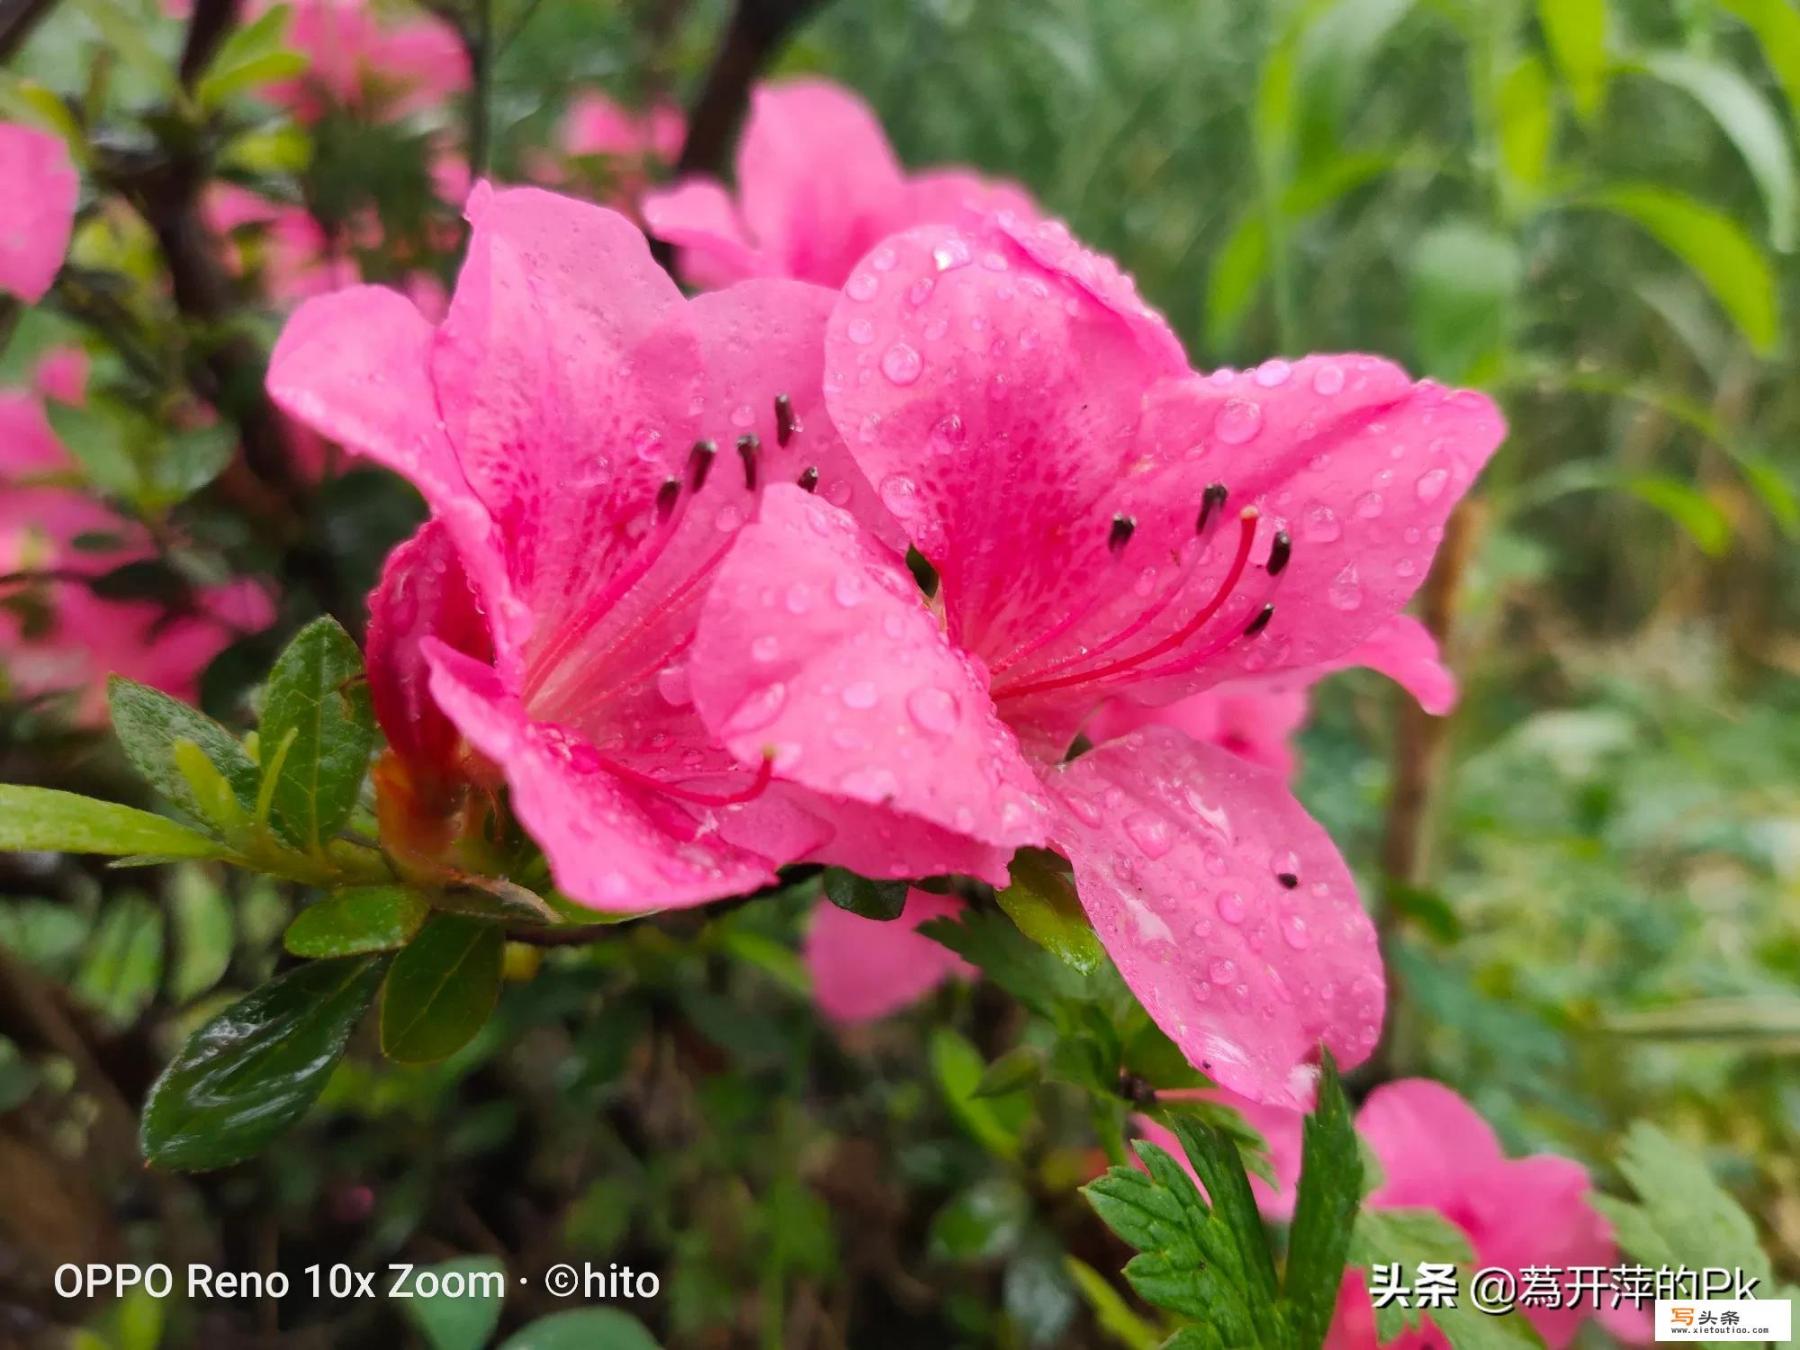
(757, 30)
(17, 20)
(211, 24)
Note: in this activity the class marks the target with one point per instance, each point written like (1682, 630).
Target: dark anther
(1261, 621)
(810, 478)
(1279, 552)
(1122, 527)
(1287, 879)
(786, 424)
(1213, 499)
(700, 463)
(747, 448)
(1136, 1090)
(666, 497)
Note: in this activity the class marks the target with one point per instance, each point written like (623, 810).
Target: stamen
(747, 447)
(1246, 537)
(1287, 879)
(1261, 621)
(809, 478)
(1279, 552)
(786, 424)
(1213, 499)
(666, 497)
(1122, 528)
(700, 460)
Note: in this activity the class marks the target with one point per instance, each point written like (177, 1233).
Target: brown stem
(210, 25)
(17, 20)
(757, 29)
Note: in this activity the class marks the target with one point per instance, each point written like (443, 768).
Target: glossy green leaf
(64, 822)
(253, 1071)
(1746, 118)
(1714, 247)
(1043, 903)
(464, 1309)
(149, 725)
(879, 900)
(356, 921)
(317, 696)
(583, 1329)
(1575, 31)
(1776, 24)
(442, 989)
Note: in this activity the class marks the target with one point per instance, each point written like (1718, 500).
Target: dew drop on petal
(862, 286)
(847, 590)
(1293, 932)
(672, 684)
(765, 648)
(860, 331)
(1150, 832)
(1320, 525)
(1223, 970)
(1369, 505)
(799, 598)
(950, 254)
(1238, 421)
(900, 495)
(861, 694)
(1230, 906)
(758, 710)
(934, 710)
(1431, 484)
(1345, 591)
(1273, 374)
(1328, 380)
(901, 364)
(1284, 862)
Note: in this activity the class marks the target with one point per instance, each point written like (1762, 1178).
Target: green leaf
(250, 56)
(1705, 522)
(584, 1329)
(1334, 59)
(1043, 903)
(318, 695)
(1776, 24)
(452, 1321)
(98, 443)
(1575, 31)
(1714, 247)
(982, 1222)
(44, 819)
(1235, 278)
(150, 724)
(1019, 1068)
(1746, 118)
(123, 963)
(1410, 1237)
(203, 933)
(1112, 1314)
(1526, 125)
(442, 989)
(220, 86)
(357, 921)
(252, 1071)
(1331, 1175)
(994, 944)
(219, 807)
(1464, 278)
(995, 1122)
(879, 900)
(125, 35)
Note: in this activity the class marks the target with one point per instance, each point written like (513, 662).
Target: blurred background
(1588, 877)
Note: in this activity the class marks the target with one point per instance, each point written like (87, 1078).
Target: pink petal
(698, 217)
(1178, 851)
(1404, 650)
(816, 645)
(949, 196)
(423, 594)
(38, 213)
(816, 221)
(596, 125)
(611, 845)
(62, 375)
(1429, 1141)
(1280, 1127)
(1253, 719)
(863, 970)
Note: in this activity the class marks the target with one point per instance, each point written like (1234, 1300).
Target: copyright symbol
(562, 1280)
(1492, 1290)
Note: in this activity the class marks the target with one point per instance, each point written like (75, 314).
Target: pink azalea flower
(84, 638)
(818, 187)
(1256, 717)
(1104, 522)
(596, 125)
(591, 442)
(62, 375)
(38, 214)
(361, 62)
(863, 970)
(1437, 1153)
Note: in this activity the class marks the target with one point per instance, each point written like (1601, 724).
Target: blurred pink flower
(863, 969)
(38, 213)
(590, 442)
(817, 187)
(596, 125)
(62, 374)
(1103, 522)
(80, 638)
(1437, 1153)
(361, 61)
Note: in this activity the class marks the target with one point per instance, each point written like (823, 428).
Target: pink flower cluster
(701, 654)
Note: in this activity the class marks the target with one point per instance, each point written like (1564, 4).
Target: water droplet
(900, 495)
(1293, 932)
(758, 710)
(1150, 832)
(766, 648)
(1369, 505)
(672, 684)
(1431, 484)
(920, 291)
(799, 598)
(862, 694)
(950, 255)
(847, 589)
(884, 258)
(901, 364)
(860, 331)
(1230, 906)
(863, 286)
(1238, 421)
(1328, 380)
(1223, 970)
(871, 783)
(743, 417)
(1273, 374)
(948, 434)
(934, 710)
(1320, 525)
(1284, 862)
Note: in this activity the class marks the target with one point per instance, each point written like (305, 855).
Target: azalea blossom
(818, 186)
(1437, 1153)
(864, 969)
(590, 442)
(358, 60)
(63, 638)
(38, 214)
(1103, 522)
(596, 125)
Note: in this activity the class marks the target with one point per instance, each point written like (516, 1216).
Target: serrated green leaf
(253, 1071)
(1041, 900)
(994, 944)
(1324, 1213)
(43, 819)
(356, 921)
(317, 695)
(442, 989)
(149, 725)
(1410, 1237)
(881, 901)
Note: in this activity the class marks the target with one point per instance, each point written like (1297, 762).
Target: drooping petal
(611, 844)
(38, 213)
(1183, 855)
(698, 217)
(1404, 650)
(1253, 719)
(816, 646)
(863, 970)
(818, 182)
(1429, 1140)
